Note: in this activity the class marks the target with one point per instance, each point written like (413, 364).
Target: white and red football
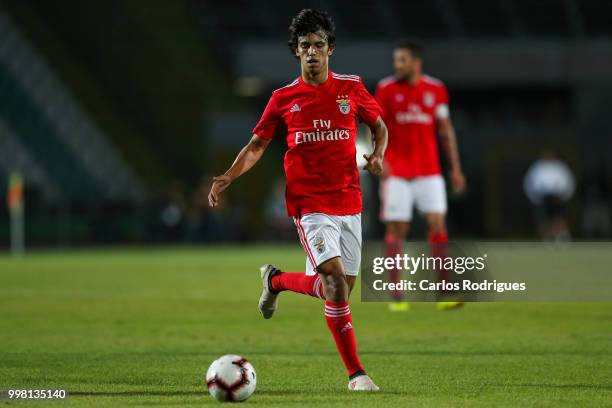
(231, 378)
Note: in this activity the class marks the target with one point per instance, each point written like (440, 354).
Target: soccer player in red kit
(415, 109)
(317, 115)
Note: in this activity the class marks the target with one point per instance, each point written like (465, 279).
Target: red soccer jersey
(410, 112)
(320, 126)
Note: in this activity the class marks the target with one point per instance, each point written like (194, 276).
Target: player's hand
(375, 164)
(220, 183)
(457, 181)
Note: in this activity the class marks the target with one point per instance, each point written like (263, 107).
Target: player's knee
(332, 266)
(397, 230)
(335, 284)
(436, 230)
(403, 230)
(334, 277)
(334, 280)
(436, 225)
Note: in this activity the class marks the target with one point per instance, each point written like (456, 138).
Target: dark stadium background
(118, 113)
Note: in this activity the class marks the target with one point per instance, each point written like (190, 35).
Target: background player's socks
(438, 243)
(298, 282)
(393, 246)
(340, 323)
(438, 237)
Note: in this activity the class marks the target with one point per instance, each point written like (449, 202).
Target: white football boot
(362, 383)
(268, 300)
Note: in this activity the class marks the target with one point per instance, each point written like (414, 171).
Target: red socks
(298, 282)
(340, 323)
(394, 246)
(438, 248)
(438, 237)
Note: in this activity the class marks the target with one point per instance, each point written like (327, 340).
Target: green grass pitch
(140, 326)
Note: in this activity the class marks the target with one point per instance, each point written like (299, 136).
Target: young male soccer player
(317, 114)
(415, 109)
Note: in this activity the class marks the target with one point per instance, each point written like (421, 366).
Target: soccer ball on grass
(231, 378)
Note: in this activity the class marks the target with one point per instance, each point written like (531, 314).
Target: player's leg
(298, 282)
(320, 237)
(314, 230)
(350, 248)
(340, 322)
(437, 237)
(317, 233)
(436, 228)
(396, 212)
(350, 281)
(396, 233)
(438, 242)
(556, 228)
(430, 198)
(275, 281)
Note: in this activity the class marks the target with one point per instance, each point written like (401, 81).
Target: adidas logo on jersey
(295, 108)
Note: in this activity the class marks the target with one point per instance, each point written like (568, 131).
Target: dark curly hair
(311, 21)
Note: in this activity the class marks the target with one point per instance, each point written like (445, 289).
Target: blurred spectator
(171, 212)
(596, 219)
(549, 185)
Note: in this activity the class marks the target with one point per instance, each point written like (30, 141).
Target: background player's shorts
(328, 236)
(398, 197)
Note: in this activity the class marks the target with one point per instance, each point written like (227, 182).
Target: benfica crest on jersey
(429, 99)
(344, 104)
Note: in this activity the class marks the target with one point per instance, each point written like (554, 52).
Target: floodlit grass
(140, 326)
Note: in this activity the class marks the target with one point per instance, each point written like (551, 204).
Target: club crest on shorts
(319, 244)
(344, 104)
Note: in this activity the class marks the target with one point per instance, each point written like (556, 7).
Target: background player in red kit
(317, 114)
(415, 109)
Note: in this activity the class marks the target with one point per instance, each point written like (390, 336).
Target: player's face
(405, 64)
(313, 51)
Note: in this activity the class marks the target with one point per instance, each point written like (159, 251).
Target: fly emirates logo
(322, 133)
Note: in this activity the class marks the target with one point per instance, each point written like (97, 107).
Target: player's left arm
(370, 113)
(448, 139)
(380, 138)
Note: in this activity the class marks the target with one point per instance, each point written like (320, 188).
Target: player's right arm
(248, 156)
